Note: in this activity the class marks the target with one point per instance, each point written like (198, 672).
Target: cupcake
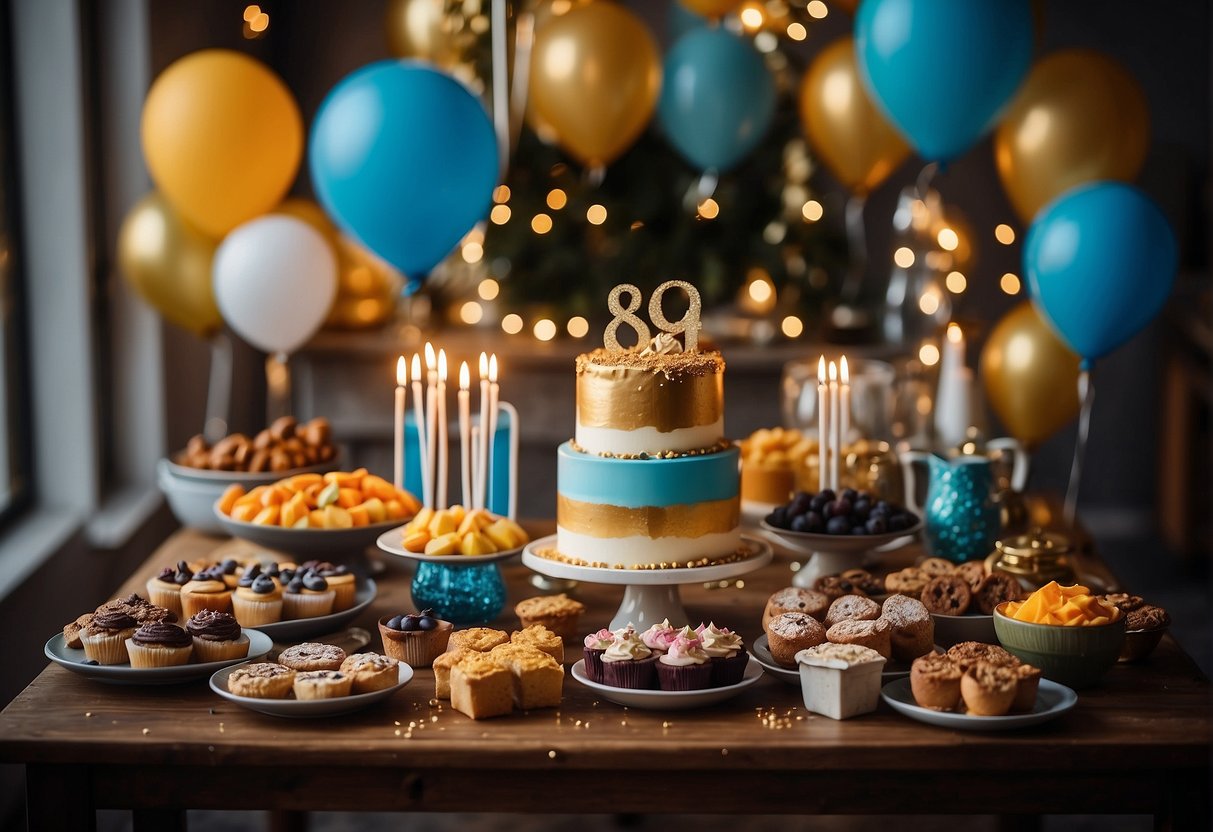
(159, 644)
(935, 682)
(659, 637)
(340, 580)
(595, 645)
(627, 662)
(913, 628)
(321, 684)
(989, 689)
(216, 636)
(685, 665)
(415, 639)
(307, 595)
(164, 590)
(968, 653)
(725, 648)
(1025, 693)
(228, 571)
(205, 591)
(261, 680)
(257, 600)
(104, 638)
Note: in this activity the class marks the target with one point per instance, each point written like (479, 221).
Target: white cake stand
(652, 594)
(831, 554)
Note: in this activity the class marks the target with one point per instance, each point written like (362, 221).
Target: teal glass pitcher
(960, 516)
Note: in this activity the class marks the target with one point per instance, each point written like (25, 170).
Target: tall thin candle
(491, 432)
(465, 434)
(482, 443)
(823, 427)
(419, 419)
(835, 443)
(844, 388)
(443, 462)
(402, 381)
(431, 423)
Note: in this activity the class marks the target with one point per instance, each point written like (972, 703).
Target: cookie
(996, 588)
(947, 595)
(909, 581)
(974, 572)
(864, 579)
(263, 680)
(1124, 601)
(1147, 617)
(934, 567)
(312, 656)
(836, 586)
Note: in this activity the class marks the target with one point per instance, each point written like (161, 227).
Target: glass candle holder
(459, 594)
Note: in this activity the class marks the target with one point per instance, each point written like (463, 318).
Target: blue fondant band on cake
(635, 483)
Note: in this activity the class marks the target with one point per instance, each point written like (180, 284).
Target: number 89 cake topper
(688, 324)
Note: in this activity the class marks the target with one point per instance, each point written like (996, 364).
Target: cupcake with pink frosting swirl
(659, 637)
(727, 653)
(628, 663)
(685, 665)
(595, 645)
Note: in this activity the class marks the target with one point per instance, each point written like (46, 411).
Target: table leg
(158, 820)
(59, 797)
(286, 820)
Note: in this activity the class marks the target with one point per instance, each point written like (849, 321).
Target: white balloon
(275, 279)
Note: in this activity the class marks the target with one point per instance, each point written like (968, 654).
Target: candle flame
(429, 355)
(493, 368)
(955, 335)
(442, 365)
(465, 377)
(833, 372)
(844, 374)
(416, 367)
(821, 370)
(484, 365)
(402, 372)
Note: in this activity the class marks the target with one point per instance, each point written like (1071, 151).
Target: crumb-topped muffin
(989, 689)
(935, 682)
(559, 613)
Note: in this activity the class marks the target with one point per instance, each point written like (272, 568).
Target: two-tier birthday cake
(649, 480)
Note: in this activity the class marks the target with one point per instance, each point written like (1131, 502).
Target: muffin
(164, 590)
(875, 634)
(104, 639)
(542, 638)
(791, 632)
(73, 629)
(307, 595)
(1029, 684)
(935, 682)
(159, 644)
(792, 599)
(947, 595)
(629, 663)
(968, 653)
(321, 684)
(685, 665)
(913, 628)
(216, 637)
(257, 599)
(851, 608)
(989, 689)
(205, 591)
(559, 613)
(312, 656)
(371, 672)
(261, 680)
(415, 639)
(659, 637)
(595, 645)
(339, 579)
(480, 639)
(726, 650)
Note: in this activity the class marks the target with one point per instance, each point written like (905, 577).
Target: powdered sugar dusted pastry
(791, 632)
(852, 608)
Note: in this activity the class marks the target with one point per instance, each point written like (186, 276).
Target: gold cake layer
(655, 522)
(625, 390)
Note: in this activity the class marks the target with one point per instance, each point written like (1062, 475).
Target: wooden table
(1139, 743)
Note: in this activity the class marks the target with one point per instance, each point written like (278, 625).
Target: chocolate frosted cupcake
(257, 599)
(104, 638)
(217, 637)
(164, 590)
(727, 653)
(307, 595)
(595, 645)
(685, 666)
(159, 644)
(629, 663)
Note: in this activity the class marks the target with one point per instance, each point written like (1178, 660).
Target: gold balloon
(595, 77)
(427, 29)
(545, 10)
(1031, 377)
(843, 125)
(222, 137)
(711, 8)
(168, 264)
(367, 287)
(1079, 117)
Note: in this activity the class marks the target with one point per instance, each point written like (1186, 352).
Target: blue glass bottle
(460, 594)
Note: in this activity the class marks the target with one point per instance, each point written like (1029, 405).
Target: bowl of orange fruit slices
(316, 514)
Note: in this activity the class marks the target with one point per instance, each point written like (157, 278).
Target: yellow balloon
(222, 137)
(595, 77)
(711, 8)
(1079, 117)
(1031, 377)
(854, 140)
(427, 29)
(168, 264)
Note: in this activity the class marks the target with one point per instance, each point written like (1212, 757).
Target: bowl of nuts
(193, 479)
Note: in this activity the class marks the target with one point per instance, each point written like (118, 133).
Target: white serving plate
(1052, 700)
(312, 708)
(301, 629)
(123, 674)
(390, 542)
(761, 652)
(668, 700)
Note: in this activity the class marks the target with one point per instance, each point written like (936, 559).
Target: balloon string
(857, 244)
(219, 389)
(1086, 395)
(925, 176)
(524, 41)
(501, 81)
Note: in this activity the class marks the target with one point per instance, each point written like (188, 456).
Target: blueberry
(295, 586)
(396, 622)
(779, 517)
(800, 523)
(861, 509)
(876, 525)
(427, 622)
(411, 624)
(883, 505)
(830, 509)
(899, 523)
(815, 522)
(849, 494)
(858, 530)
(842, 507)
(315, 583)
(229, 566)
(262, 585)
(182, 578)
(817, 503)
(838, 525)
(799, 504)
(828, 494)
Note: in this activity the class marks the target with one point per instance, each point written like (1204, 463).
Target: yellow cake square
(481, 688)
(442, 670)
(541, 637)
(538, 681)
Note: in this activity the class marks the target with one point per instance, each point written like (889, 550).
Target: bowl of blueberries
(844, 521)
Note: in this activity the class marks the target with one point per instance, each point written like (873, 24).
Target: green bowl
(1074, 656)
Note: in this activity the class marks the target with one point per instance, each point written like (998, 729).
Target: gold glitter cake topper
(688, 324)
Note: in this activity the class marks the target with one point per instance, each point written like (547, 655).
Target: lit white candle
(443, 461)
(953, 350)
(844, 388)
(482, 444)
(491, 432)
(953, 410)
(402, 380)
(419, 419)
(465, 434)
(431, 423)
(835, 443)
(823, 427)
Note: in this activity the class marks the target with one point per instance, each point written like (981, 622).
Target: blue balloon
(404, 158)
(1100, 261)
(942, 70)
(717, 98)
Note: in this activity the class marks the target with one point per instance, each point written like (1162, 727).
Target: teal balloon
(404, 159)
(942, 70)
(680, 20)
(1100, 261)
(717, 98)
